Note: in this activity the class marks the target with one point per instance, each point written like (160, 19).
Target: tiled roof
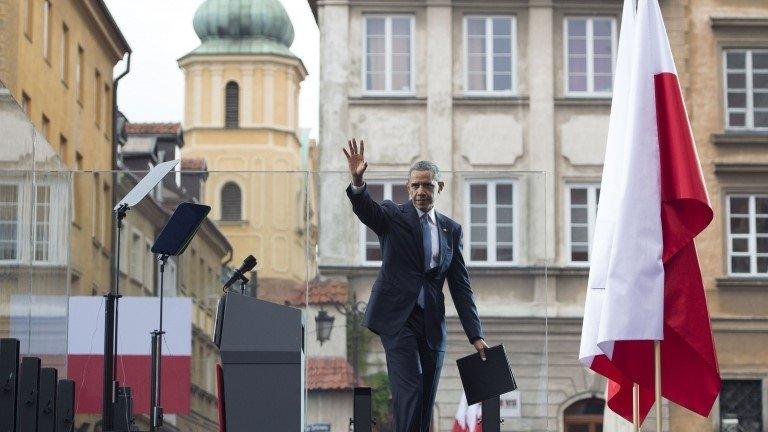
(153, 128)
(193, 164)
(326, 291)
(321, 291)
(330, 373)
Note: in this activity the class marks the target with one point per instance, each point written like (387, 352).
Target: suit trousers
(414, 371)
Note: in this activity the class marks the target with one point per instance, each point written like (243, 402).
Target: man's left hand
(480, 346)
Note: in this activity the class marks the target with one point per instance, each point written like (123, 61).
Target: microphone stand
(243, 281)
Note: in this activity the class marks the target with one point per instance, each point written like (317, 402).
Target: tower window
(232, 106)
(231, 202)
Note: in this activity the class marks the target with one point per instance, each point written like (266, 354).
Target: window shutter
(231, 202)
(232, 106)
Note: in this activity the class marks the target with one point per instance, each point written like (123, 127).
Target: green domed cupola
(243, 27)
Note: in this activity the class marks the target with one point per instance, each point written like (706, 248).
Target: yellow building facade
(56, 59)
(241, 115)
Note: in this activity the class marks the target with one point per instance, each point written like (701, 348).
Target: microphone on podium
(248, 264)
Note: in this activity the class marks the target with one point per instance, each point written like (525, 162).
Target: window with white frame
(746, 88)
(747, 235)
(42, 223)
(9, 221)
(388, 48)
(590, 53)
(489, 43)
(581, 211)
(491, 235)
(47, 242)
(379, 190)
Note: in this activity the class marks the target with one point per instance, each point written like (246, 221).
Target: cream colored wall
(267, 140)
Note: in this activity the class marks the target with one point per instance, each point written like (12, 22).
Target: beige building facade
(726, 60)
(56, 59)
(498, 93)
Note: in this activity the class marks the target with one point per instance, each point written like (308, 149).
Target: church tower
(240, 115)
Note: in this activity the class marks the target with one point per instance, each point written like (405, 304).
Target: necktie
(426, 235)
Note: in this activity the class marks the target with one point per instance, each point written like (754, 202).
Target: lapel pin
(445, 229)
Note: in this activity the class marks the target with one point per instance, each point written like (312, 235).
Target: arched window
(231, 202)
(232, 106)
(585, 415)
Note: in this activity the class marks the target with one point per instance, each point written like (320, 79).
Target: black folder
(483, 380)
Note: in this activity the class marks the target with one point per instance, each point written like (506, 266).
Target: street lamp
(324, 325)
(353, 310)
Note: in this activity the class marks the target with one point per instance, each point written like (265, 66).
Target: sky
(160, 31)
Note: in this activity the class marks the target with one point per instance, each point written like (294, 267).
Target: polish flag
(467, 417)
(644, 282)
(138, 317)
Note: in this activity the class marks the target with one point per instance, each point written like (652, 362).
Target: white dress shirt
(432, 228)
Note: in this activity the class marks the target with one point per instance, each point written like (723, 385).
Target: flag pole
(657, 382)
(635, 407)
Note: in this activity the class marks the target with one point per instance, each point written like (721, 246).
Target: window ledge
(242, 222)
(490, 99)
(387, 100)
(741, 168)
(741, 138)
(583, 101)
(743, 283)
(730, 23)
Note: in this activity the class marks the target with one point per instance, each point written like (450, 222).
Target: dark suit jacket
(402, 274)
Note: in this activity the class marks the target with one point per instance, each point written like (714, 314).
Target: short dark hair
(426, 166)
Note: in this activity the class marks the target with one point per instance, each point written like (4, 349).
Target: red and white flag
(644, 282)
(138, 317)
(467, 417)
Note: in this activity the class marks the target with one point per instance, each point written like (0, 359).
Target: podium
(262, 355)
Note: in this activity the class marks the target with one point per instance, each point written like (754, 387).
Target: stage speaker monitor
(65, 406)
(9, 381)
(362, 410)
(29, 394)
(491, 409)
(46, 410)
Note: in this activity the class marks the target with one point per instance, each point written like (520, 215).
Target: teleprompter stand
(172, 241)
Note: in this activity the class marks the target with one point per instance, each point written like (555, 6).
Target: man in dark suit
(420, 249)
